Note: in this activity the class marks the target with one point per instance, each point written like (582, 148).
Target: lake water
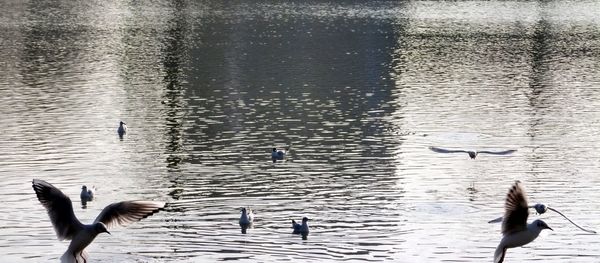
(359, 89)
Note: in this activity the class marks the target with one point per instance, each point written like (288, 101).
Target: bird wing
(497, 220)
(441, 150)
(516, 210)
(123, 213)
(60, 209)
(498, 152)
(586, 230)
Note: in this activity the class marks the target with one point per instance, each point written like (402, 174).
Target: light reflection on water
(359, 91)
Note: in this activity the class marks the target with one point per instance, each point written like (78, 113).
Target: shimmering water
(359, 89)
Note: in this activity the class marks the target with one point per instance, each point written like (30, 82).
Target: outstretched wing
(586, 230)
(441, 150)
(516, 210)
(60, 209)
(498, 152)
(123, 213)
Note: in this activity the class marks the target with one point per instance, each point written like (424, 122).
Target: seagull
(67, 226)
(515, 230)
(301, 229)
(122, 130)
(246, 219)
(87, 194)
(472, 154)
(540, 209)
(277, 154)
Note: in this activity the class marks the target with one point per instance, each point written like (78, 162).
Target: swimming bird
(540, 209)
(246, 219)
(87, 194)
(67, 226)
(277, 154)
(471, 154)
(301, 229)
(515, 230)
(122, 130)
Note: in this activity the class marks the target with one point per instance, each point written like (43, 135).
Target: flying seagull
(301, 229)
(67, 226)
(515, 230)
(540, 209)
(471, 154)
(246, 219)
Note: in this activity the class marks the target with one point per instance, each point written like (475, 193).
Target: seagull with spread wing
(540, 209)
(471, 154)
(67, 226)
(515, 230)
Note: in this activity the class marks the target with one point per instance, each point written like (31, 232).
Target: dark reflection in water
(283, 98)
(539, 81)
(358, 89)
(175, 55)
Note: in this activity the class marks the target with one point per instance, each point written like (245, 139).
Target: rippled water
(358, 89)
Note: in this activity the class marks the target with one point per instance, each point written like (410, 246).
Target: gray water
(359, 89)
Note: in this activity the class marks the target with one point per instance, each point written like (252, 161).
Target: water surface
(358, 89)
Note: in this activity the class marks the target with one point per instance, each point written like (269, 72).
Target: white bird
(122, 130)
(87, 194)
(516, 232)
(540, 209)
(471, 154)
(301, 229)
(67, 226)
(277, 154)
(246, 219)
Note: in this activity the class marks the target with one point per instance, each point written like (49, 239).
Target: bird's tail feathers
(499, 254)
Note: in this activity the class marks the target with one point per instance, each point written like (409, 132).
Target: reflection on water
(359, 90)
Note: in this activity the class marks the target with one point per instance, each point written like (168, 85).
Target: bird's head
(305, 219)
(243, 210)
(101, 228)
(274, 149)
(540, 208)
(84, 188)
(121, 123)
(541, 225)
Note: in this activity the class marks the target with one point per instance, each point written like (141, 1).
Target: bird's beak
(549, 228)
(108, 232)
